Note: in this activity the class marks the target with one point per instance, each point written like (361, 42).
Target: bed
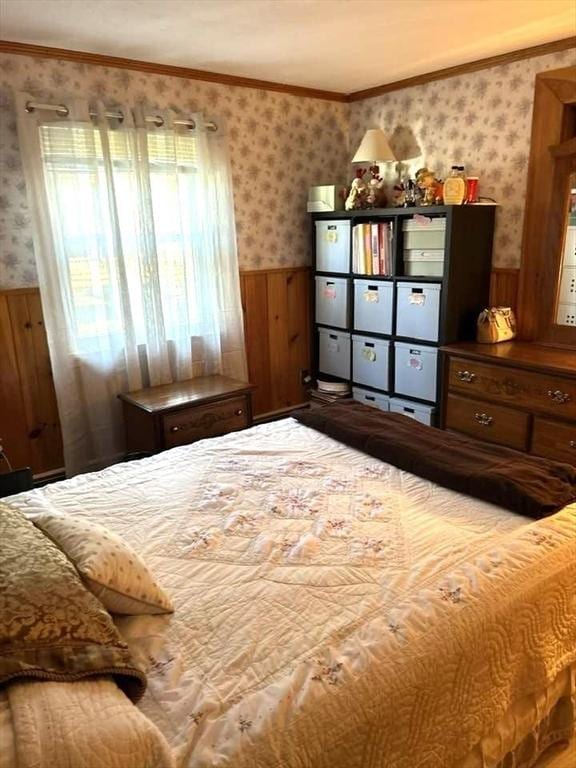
(331, 611)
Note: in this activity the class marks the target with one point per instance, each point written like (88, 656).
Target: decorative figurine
(376, 192)
(427, 184)
(358, 195)
(399, 195)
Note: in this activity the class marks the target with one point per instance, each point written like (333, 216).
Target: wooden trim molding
(463, 69)
(171, 70)
(275, 270)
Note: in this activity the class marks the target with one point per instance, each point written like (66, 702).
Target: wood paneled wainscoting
(29, 423)
(276, 306)
(277, 326)
(504, 287)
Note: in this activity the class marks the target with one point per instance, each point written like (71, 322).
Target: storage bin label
(331, 235)
(415, 363)
(371, 296)
(418, 298)
(369, 354)
(333, 346)
(329, 292)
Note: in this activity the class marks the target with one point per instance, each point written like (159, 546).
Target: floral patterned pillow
(111, 569)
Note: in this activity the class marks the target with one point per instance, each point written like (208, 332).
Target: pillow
(111, 569)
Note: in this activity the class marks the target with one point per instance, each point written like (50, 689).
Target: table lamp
(374, 148)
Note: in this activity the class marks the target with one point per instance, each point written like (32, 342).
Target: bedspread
(331, 611)
(86, 724)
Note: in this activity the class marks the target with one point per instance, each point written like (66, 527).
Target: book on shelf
(367, 249)
(375, 247)
(372, 248)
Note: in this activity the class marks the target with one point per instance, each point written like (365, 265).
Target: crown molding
(101, 60)
(463, 69)
(170, 70)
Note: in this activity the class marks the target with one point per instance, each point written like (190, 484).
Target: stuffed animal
(358, 195)
(427, 182)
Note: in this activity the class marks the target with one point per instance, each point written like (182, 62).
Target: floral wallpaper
(279, 146)
(482, 120)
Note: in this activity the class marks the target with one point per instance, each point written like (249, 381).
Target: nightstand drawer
(195, 423)
(554, 440)
(493, 423)
(552, 395)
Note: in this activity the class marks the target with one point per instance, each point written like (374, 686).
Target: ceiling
(337, 45)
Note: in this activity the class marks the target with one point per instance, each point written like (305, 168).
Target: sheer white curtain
(136, 253)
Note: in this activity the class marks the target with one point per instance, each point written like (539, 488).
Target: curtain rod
(158, 120)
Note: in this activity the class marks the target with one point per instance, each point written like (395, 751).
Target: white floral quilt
(331, 610)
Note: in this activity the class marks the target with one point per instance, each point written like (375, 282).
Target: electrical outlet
(305, 377)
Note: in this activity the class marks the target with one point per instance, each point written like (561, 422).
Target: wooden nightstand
(158, 418)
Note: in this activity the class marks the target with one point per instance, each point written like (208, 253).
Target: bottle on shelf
(454, 189)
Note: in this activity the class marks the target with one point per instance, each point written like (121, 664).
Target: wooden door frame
(553, 127)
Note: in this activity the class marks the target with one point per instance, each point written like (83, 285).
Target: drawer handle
(483, 419)
(238, 412)
(174, 429)
(466, 376)
(572, 443)
(558, 396)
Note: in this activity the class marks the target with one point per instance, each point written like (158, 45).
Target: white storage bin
(418, 310)
(566, 314)
(333, 246)
(415, 371)
(569, 259)
(424, 263)
(332, 301)
(334, 352)
(370, 361)
(424, 235)
(422, 413)
(567, 292)
(374, 399)
(373, 303)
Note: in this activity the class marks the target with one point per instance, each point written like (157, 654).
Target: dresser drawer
(554, 440)
(195, 423)
(545, 394)
(493, 423)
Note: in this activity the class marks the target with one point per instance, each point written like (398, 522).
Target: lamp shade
(374, 147)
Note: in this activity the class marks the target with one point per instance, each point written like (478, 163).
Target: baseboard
(53, 476)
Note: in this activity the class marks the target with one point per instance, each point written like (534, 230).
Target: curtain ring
(158, 121)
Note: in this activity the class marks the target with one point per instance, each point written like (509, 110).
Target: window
(153, 180)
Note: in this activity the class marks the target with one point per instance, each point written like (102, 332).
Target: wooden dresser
(164, 417)
(517, 394)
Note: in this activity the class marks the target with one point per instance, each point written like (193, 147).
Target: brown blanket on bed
(51, 626)
(525, 484)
